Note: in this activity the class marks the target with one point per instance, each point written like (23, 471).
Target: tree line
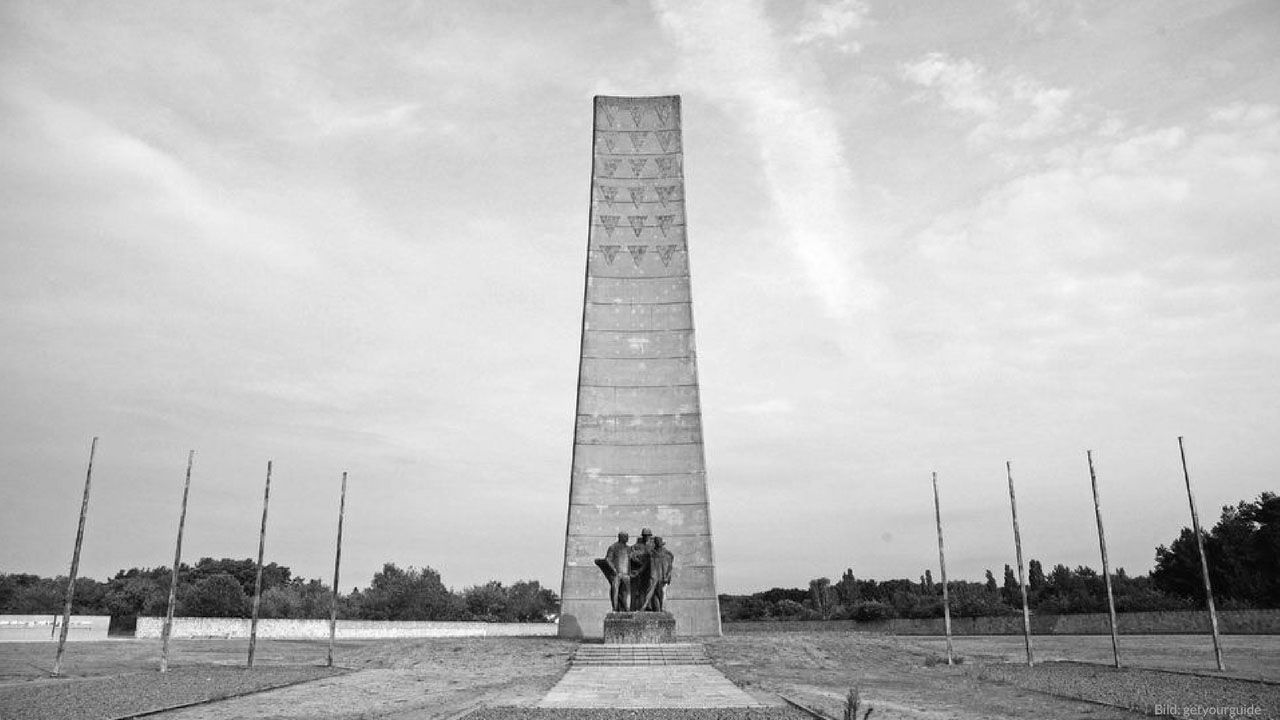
(224, 588)
(1243, 550)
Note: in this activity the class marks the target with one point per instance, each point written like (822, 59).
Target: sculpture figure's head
(658, 542)
(645, 534)
(623, 537)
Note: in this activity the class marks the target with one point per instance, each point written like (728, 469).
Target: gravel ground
(101, 698)
(519, 713)
(1149, 691)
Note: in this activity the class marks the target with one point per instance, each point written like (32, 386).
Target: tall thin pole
(1204, 562)
(942, 564)
(75, 563)
(1106, 569)
(1022, 582)
(257, 583)
(173, 577)
(337, 563)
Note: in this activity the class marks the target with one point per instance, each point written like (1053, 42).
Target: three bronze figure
(638, 574)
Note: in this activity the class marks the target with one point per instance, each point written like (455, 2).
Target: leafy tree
(1011, 592)
(847, 588)
(216, 596)
(487, 602)
(244, 571)
(1035, 577)
(872, 611)
(1243, 552)
(528, 601)
(412, 594)
(822, 597)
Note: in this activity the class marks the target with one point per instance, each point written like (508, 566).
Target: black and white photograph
(639, 359)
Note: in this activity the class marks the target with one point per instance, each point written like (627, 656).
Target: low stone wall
(1230, 622)
(46, 628)
(194, 627)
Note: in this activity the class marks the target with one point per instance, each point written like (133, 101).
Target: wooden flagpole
(337, 564)
(75, 563)
(1204, 562)
(942, 564)
(257, 583)
(1106, 569)
(173, 578)
(1022, 582)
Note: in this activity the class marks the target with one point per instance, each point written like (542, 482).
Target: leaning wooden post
(257, 583)
(173, 577)
(75, 563)
(1022, 583)
(337, 563)
(1106, 569)
(942, 565)
(1204, 562)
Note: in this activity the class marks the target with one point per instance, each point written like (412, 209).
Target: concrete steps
(626, 655)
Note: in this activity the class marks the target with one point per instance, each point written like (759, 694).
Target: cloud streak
(733, 56)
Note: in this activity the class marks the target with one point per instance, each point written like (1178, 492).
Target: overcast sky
(351, 236)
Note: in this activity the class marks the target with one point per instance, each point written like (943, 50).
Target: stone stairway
(589, 655)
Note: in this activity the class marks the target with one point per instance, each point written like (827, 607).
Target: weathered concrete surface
(637, 454)
(639, 628)
(660, 686)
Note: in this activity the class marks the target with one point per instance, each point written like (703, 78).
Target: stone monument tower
(637, 448)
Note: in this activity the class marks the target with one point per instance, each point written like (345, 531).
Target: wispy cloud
(394, 118)
(832, 23)
(733, 56)
(1004, 107)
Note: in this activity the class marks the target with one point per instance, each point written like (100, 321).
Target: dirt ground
(901, 677)
(1251, 657)
(440, 678)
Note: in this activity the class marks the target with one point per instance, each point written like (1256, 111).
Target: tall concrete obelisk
(637, 448)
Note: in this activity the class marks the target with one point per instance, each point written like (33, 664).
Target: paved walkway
(649, 682)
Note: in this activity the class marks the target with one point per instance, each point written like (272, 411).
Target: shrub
(872, 611)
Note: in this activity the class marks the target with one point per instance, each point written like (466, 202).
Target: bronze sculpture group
(638, 574)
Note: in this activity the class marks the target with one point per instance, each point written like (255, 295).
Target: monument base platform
(639, 628)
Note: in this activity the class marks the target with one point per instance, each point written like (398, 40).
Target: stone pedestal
(639, 628)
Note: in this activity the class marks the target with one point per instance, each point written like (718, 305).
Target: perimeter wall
(46, 628)
(192, 627)
(1230, 622)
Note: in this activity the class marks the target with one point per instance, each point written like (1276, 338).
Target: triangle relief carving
(664, 253)
(637, 196)
(609, 252)
(637, 253)
(637, 223)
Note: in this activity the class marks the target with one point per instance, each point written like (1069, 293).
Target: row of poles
(177, 559)
(337, 563)
(1106, 570)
